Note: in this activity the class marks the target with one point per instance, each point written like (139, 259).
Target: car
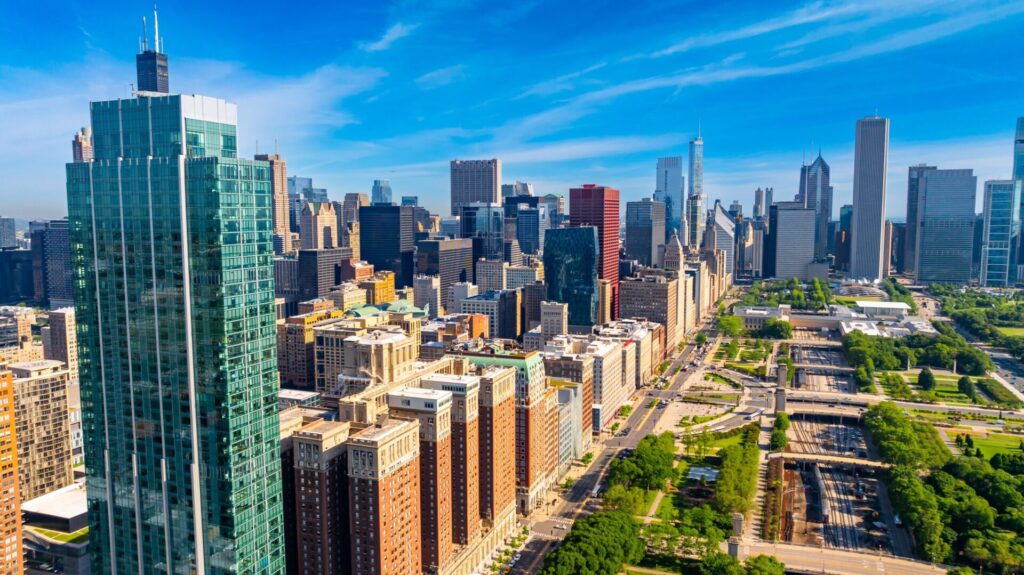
(517, 557)
(560, 526)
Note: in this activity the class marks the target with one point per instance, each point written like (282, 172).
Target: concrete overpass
(823, 368)
(833, 460)
(847, 412)
(804, 559)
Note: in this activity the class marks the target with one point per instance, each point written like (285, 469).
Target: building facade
(646, 229)
(870, 164)
(387, 240)
(1001, 236)
(474, 181)
(945, 227)
(669, 189)
(571, 269)
(598, 206)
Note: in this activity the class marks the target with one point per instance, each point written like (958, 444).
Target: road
(803, 559)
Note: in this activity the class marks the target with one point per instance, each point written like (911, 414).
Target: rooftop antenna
(257, 146)
(156, 30)
(144, 42)
(698, 128)
(275, 147)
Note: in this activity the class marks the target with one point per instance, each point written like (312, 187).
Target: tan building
(347, 296)
(577, 368)
(554, 319)
(380, 289)
(433, 409)
(295, 347)
(604, 301)
(497, 443)
(474, 181)
(427, 294)
(60, 342)
(384, 498)
(351, 205)
(465, 390)
(16, 344)
(491, 275)
(521, 276)
(653, 297)
(318, 226)
(10, 498)
(279, 196)
(43, 427)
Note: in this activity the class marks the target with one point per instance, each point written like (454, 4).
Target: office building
(43, 429)
(1018, 151)
(658, 297)
(724, 229)
(10, 495)
(645, 230)
(502, 309)
(380, 194)
(295, 346)
(759, 205)
(899, 234)
(433, 409)
(915, 179)
(491, 275)
(380, 288)
(384, 498)
(1001, 236)
(474, 181)
(387, 240)
(350, 206)
(531, 223)
(166, 353)
(870, 163)
(320, 271)
(458, 292)
(449, 259)
(318, 226)
(484, 224)
(571, 269)
(8, 234)
(279, 198)
(521, 276)
(151, 63)
(790, 241)
(816, 191)
(427, 294)
(598, 206)
(696, 201)
(60, 340)
(81, 145)
(669, 190)
(945, 227)
(465, 452)
(554, 319)
(51, 263)
(516, 189)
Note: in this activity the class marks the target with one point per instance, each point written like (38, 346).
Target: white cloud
(441, 76)
(391, 35)
(562, 83)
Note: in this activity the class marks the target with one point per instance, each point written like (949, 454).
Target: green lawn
(718, 444)
(77, 537)
(1012, 331)
(997, 443)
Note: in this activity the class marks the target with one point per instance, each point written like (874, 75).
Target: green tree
(701, 338)
(730, 325)
(926, 379)
(765, 565)
(778, 441)
(628, 499)
(719, 563)
(965, 386)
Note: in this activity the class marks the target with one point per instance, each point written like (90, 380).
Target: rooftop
(66, 503)
(883, 305)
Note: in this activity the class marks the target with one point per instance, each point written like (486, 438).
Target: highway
(805, 559)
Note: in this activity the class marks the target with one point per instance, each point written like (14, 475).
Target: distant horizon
(394, 92)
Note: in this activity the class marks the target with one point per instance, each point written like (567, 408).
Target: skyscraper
(318, 226)
(817, 195)
(279, 195)
(81, 146)
(945, 226)
(645, 230)
(1001, 236)
(915, 177)
(44, 432)
(789, 242)
(151, 62)
(570, 270)
(669, 191)
(51, 255)
(386, 240)
(484, 224)
(474, 181)
(1018, 151)
(350, 206)
(759, 210)
(451, 260)
(870, 162)
(598, 206)
(696, 200)
(381, 192)
(725, 235)
(177, 341)
(10, 497)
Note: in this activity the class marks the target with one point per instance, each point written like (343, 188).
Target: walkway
(831, 460)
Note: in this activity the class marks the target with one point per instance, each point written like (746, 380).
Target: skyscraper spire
(156, 31)
(151, 62)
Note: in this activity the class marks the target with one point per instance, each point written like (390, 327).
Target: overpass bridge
(823, 368)
(833, 460)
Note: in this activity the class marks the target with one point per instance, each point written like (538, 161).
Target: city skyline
(334, 115)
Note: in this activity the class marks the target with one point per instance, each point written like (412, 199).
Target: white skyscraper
(870, 162)
(697, 200)
(669, 191)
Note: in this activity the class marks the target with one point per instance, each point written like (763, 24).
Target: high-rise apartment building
(724, 229)
(870, 163)
(10, 496)
(945, 226)
(816, 191)
(384, 498)
(915, 178)
(570, 268)
(43, 428)
(598, 206)
(317, 272)
(295, 347)
(521, 276)
(433, 409)
(387, 240)
(474, 181)
(1001, 236)
(159, 373)
(81, 145)
(669, 190)
(497, 446)
(491, 275)
(427, 294)
(279, 197)
(696, 200)
(60, 342)
(645, 230)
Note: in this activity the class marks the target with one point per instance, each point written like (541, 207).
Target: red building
(598, 206)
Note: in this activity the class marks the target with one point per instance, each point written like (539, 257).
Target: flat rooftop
(66, 503)
(883, 305)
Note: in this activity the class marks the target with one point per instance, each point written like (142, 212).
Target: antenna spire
(698, 129)
(145, 39)
(156, 31)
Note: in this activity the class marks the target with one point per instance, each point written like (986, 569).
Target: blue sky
(563, 92)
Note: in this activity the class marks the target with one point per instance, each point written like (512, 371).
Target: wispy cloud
(562, 83)
(391, 35)
(441, 76)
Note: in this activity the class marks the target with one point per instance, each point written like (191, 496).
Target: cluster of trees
(983, 313)
(774, 329)
(600, 543)
(737, 477)
(940, 351)
(730, 325)
(648, 467)
(898, 292)
(721, 564)
(814, 296)
(696, 533)
(903, 441)
(779, 441)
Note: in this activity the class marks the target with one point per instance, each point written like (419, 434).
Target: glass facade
(945, 226)
(172, 251)
(1001, 233)
(570, 270)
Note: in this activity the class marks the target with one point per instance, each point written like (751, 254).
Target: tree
(701, 338)
(765, 565)
(719, 563)
(926, 379)
(965, 386)
(731, 325)
(775, 329)
(628, 499)
(778, 441)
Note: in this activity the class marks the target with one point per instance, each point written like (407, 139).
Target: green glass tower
(172, 249)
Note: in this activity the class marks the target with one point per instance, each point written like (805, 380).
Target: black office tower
(151, 62)
(386, 237)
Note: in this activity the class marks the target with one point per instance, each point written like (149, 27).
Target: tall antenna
(145, 40)
(257, 146)
(275, 147)
(156, 30)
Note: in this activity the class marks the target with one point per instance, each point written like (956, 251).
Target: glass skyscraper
(945, 226)
(1001, 234)
(570, 270)
(1018, 151)
(696, 202)
(172, 250)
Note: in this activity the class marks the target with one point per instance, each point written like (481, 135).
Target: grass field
(76, 537)
(1011, 331)
(997, 443)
